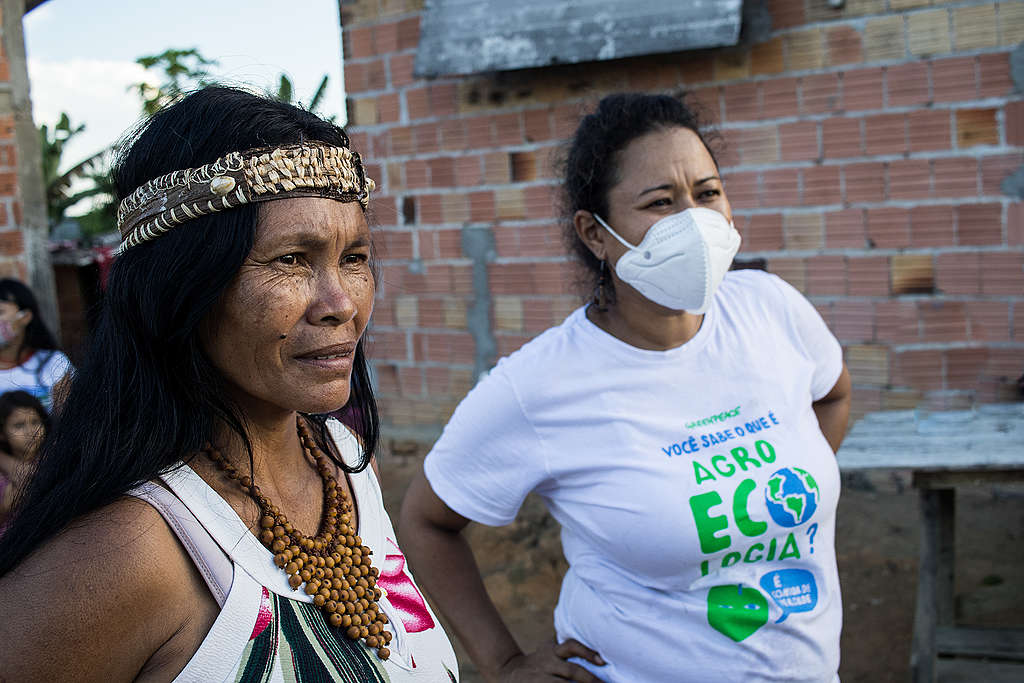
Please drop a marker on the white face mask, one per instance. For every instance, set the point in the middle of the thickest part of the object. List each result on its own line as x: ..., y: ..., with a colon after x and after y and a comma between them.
x: 681, y: 260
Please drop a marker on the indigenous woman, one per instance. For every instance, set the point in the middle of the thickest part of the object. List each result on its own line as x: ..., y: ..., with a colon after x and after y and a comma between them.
x: 680, y: 427
x: 193, y: 516
x: 30, y: 359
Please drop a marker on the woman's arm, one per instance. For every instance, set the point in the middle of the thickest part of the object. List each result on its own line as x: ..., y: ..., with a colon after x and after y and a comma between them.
x: 431, y: 535
x: 97, y: 601
x: 833, y: 410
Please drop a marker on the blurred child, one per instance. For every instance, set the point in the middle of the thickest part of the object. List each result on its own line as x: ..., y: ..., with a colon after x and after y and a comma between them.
x: 23, y: 424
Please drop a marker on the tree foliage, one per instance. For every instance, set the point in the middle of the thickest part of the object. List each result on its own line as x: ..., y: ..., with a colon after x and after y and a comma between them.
x: 182, y: 70
x: 61, y: 192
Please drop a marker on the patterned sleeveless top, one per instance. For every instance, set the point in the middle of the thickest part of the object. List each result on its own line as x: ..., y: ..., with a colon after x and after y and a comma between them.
x: 267, y: 632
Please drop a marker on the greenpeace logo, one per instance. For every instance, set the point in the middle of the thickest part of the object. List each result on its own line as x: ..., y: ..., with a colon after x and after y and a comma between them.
x: 720, y: 417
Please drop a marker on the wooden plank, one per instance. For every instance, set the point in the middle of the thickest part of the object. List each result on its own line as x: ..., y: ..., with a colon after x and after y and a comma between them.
x: 976, y: 641
x: 975, y: 670
x: 475, y: 36
x: 946, y: 557
x: 923, y: 648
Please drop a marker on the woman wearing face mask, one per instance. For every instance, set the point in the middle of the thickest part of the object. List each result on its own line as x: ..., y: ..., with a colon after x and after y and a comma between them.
x: 680, y: 427
x: 29, y: 356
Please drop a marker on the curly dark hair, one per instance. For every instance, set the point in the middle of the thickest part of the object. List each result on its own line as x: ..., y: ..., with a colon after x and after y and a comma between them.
x: 590, y: 159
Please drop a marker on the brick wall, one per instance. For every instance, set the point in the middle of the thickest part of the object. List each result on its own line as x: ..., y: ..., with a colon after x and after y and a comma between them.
x: 869, y: 161
x: 23, y: 224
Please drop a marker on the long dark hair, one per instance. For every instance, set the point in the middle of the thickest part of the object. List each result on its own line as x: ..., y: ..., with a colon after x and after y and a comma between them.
x: 147, y: 395
x: 37, y: 335
x: 590, y: 164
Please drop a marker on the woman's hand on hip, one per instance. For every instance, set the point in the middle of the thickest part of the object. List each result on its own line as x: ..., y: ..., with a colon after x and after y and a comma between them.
x: 550, y: 663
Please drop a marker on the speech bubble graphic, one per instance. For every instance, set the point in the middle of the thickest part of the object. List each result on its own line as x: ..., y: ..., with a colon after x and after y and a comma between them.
x: 736, y: 611
x: 793, y: 590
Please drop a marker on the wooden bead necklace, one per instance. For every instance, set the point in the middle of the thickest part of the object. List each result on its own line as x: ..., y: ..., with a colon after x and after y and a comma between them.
x: 334, y: 566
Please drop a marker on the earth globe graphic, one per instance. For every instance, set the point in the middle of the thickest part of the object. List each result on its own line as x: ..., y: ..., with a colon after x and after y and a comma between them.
x: 792, y: 496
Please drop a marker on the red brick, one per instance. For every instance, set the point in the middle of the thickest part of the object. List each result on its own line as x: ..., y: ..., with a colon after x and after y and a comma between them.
x: 780, y: 187
x: 896, y: 322
x: 761, y: 232
x: 537, y: 125
x: 468, y: 171
x: 389, y: 346
x: 792, y: 270
x: 742, y: 189
x: 958, y: 273
x: 540, y: 241
x: 907, y: 84
x: 994, y: 170
x: 976, y: 127
x: 450, y: 347
x: 1015, y: 224
x: 11, y: 242
x: 932, y: 226
x: 786, y: 13
x: 921, y: 370
x: 358, y: 42
x: 929, y: 130
x: 885, y: 134
x: 407, y: 34
x: 943, y: 321
x: 742, y: 101
x: 798, y: 141
x: 955, y: 177
x: 394, y: 244
x: 1005, y: 363
x: 417, y: 103
x: 387, y: 377
x: 410, y: 380
x: 417, y: 174
x: 779, y: 98
x: 478, y: 132
x: 980, y: 224
x: 964, y: 367
x: 868, y: 276
x: 889, y: 227
x: 910, y: 179
x: 708, y: 100
x: 954, y: 80
x: 426, y: 138
x: 862, y: 89
x: 507, y: 130
x: 841, y: 138
x: 758, y: 145
x: 989, y: 321
x: 401, y: 70
x: 826, y: 276
x: 385, y: 38
x: 864, y: 182
x: 553, y: 278
x: 453, y: 135
x: 387, y: 108
x: 429, y: 209
x: 819, y: 94
x: 1002, y: 273
x: 540, y: 201
x: 853, y: 321
x: 845, y: 229
x: 1013, y: 116
x: 844, y: 45
x: 994, y: 78
x: 821, y: 186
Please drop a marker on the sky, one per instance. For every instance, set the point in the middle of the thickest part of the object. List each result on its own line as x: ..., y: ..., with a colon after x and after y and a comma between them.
x: 81, y: 55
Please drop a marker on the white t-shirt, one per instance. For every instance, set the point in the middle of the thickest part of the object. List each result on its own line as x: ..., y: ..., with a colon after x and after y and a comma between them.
x: 37, y: 375
x: 695, y: 490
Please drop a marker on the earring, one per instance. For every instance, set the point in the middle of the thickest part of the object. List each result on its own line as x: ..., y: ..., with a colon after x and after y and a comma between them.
x: 600, y: 292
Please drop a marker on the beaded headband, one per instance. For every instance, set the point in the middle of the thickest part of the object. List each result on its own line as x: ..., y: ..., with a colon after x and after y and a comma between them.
x: 256, y: 175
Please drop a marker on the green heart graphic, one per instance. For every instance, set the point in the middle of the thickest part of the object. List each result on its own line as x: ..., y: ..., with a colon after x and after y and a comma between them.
x: 736, y: 611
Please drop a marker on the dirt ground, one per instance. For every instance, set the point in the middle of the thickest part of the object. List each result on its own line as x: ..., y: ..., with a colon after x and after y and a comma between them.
x: 877, y: 535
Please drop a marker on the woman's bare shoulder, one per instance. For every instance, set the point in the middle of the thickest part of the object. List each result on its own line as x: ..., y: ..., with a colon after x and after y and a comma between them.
x: 108, y: 590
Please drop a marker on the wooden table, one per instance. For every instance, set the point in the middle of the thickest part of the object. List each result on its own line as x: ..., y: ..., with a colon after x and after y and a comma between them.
x: 944, y: 450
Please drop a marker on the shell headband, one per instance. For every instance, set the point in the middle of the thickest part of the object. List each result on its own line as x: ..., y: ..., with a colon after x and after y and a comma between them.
x: 255, y: 175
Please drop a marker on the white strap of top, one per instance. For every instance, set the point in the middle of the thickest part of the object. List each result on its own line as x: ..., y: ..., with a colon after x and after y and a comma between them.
x: 214, y: 566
